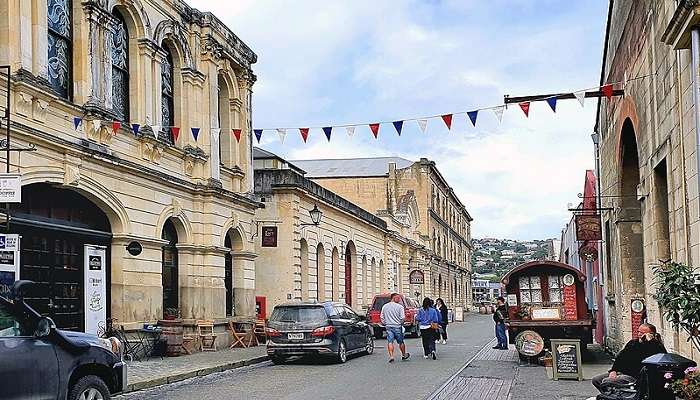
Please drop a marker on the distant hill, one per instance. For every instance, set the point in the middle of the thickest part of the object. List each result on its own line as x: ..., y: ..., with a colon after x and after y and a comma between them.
x: 496, y: 257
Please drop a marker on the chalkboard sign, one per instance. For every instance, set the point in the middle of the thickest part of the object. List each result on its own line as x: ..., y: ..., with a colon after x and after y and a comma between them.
x: 566, y: 357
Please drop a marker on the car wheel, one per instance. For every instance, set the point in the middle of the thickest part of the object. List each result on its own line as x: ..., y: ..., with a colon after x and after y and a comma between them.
x: 342, y: 354
x: 277, y: 360
x: 369, y: 345
x: 89, y: 387
x: 378, y: 334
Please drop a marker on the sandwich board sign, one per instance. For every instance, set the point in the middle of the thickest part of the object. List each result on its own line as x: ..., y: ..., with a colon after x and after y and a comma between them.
x: 566, y: 359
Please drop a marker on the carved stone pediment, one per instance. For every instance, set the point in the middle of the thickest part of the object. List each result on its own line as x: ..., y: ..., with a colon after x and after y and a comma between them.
x: 194, y: 157
x: 151, y: 148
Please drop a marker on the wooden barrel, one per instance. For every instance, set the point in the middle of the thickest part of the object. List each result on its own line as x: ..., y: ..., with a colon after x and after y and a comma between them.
x: 172, y: 332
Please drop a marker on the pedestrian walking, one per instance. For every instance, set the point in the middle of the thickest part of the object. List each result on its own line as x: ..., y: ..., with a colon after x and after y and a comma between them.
x: 442, y: 309
x: 499, y: 317
x: 392, y: 317
x: 428, y: 322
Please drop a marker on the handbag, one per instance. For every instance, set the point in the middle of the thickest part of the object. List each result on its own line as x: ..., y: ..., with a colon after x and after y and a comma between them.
x: 434, y: 325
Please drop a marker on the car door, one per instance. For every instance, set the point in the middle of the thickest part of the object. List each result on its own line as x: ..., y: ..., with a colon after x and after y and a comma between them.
x: 357, y: 331
x: 29, y: 367
x: 343, y: 325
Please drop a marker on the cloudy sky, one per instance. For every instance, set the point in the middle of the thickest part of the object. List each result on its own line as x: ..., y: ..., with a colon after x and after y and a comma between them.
x: 326, y: 63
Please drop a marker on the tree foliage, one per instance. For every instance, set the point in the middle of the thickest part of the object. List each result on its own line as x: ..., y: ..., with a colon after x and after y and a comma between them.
x: 678, y: 294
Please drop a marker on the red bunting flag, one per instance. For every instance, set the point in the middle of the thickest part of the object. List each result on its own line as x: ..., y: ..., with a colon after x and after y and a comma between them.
x: 115, y: 126
x: 375, y: 129
x: 447, y: 118
x: 175, y: 131
x: 237, y: 134
x: 304, y: 133
x: 607, y: 90
x: 525, y: 106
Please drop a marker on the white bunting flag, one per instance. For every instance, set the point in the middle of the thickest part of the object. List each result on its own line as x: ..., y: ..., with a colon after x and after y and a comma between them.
x: 350, y: 130
x: 156, y: 130
x: 283, y: 134
x: 215, y: 132
x: 422, y: 124
x: 499, y: 112
x: 581, y: 97
x: 96, y: 125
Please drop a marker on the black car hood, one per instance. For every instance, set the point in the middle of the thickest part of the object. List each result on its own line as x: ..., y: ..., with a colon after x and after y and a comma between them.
x: 78, y: 340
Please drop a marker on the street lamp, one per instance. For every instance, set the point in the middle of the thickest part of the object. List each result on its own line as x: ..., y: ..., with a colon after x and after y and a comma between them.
x: 596, y: 138
x: 315, y: 215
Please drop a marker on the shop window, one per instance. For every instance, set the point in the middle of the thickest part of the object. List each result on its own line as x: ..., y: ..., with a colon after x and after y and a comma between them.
x: 60, y: 46
x: 120, y: 69
x: 530, y: 289
x: 555, y: 289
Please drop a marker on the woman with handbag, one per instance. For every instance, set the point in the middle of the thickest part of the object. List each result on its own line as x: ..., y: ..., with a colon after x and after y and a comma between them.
x: 428, y: 323
x: 442, y: 309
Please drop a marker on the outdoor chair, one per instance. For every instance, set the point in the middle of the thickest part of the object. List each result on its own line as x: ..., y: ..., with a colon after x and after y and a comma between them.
x: 240, y: 333
x: 207, y: 337
x: 187, y: 342
x: 259, y: 332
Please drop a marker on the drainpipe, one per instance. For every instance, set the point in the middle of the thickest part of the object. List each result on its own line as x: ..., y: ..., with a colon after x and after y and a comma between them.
x: 695, y: 64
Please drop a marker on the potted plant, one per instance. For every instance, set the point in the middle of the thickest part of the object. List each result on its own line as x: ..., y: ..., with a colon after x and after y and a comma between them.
x: 678, y: 295
x: 170, y: 313
x: 687, y: 387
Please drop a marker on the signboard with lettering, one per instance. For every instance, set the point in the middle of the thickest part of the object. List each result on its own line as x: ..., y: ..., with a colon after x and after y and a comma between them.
x: 269, y: 236
x: 9, y: 262
x: 10, y: 188
x: 416, y: 277
x: 529, y: 343
x: 588, y: 227
x: 566, y: 359
x: 95, y: 288
x: 570, y: 306
x: 545, y: 314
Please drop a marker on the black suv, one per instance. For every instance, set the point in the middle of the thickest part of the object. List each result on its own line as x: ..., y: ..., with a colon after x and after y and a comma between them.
x: 310, y: 328
x: 42, y: 362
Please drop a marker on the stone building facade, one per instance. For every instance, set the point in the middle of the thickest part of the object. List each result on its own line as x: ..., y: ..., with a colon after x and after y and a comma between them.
x: 186, y: 200
x: 429, y: 225
x: 649, y: 163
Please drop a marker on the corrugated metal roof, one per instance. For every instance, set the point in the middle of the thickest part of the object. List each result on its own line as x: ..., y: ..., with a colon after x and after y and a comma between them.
x: 350, y: 167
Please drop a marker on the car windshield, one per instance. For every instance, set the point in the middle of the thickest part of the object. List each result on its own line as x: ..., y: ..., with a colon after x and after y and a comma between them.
x: 298, y: 314
x: 379, y: 303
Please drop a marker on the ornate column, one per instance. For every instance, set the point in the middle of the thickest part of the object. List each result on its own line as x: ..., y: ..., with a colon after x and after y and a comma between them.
x: 148, y: 50
x: 97, y: 19
x: 40, y: 33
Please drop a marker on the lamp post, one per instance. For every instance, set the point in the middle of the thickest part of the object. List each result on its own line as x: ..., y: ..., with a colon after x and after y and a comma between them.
x: 315, y: 215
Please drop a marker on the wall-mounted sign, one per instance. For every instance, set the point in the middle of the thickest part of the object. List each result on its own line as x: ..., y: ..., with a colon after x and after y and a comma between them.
x: 569, y: 293
x: 638, y: 308
x: 545, y: 314
x: 134, y: 248
x: 9, y: 262
x: 95, y: 292
x: 416, y: 277
x: 512, y: 300
x: 10, y: 188
x: 269, y: 236
x: 588, y: 227
x: 529, y: 343
x: 566, y: 358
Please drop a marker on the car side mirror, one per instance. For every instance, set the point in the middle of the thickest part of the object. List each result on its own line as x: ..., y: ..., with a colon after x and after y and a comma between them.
x: 44, y: 327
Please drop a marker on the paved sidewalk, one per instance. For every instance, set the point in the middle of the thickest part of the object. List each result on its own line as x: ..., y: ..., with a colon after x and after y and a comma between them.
x: 497, y: 374
x: 157, y: 371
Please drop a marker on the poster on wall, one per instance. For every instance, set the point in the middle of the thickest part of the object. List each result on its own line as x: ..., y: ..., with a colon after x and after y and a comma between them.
x: 95, y: 292
x: 9, y: 262
x: 269, y: 236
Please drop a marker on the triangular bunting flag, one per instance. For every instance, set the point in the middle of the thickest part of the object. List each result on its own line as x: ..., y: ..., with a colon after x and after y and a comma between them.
x: 375, y: 129
x: 135, y: 128
x: 283, y: 134
x: 398, y: 125
x: 447, y: 118
x: 116, y: 125
x: 76, y: 122
x: 498, y: 111
x: 258, y: 134
x: 176, y: 132
x: 195, y: 133
x: 581, y: 97
x: 156, y: 130
x: 327, y: 130
x: 607, y: 90
x: 350, y: 130
x: 216, y: 132
x: 304, y: 133
x: 525, y: 106
x: 237, y: 134
x: 96, y: 123
x: 422, y: 124
x: 472, y: 116
x: 552, y: 101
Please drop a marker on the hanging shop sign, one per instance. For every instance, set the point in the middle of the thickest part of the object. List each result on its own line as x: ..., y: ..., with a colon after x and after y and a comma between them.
x: 269, y: 236
x: 588, y: 227
x: 566, y: 359
x: 95, y: 292
x: 9, y: 262
x: 10, y: 188
x: 416, y: 277
x: 588, y: 251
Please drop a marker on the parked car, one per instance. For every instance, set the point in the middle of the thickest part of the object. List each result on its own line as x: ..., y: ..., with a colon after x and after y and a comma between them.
x: 311, y: 328
x: 42, y: 362
x: 374, y: 313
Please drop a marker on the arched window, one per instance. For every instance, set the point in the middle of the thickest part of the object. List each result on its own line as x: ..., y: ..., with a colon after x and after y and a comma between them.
x: 170, y: 269
x: 60, y: 46
x: 120, y: 69
x: 166, y: 100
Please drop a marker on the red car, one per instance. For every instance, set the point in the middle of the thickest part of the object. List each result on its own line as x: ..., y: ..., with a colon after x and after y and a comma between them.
x: 374, y: 312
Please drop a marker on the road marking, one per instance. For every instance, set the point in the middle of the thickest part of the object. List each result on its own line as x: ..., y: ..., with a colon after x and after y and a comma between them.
x: 436, y: 393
